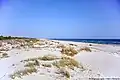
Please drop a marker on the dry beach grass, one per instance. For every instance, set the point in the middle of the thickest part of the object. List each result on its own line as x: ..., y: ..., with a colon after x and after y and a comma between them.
x: 85, y: 49
x: 3, y: 55
x: 48, y: 57
x: 69, y: 51
x: 27, y: 71
x: 32, y: 64
x: 66, y: 62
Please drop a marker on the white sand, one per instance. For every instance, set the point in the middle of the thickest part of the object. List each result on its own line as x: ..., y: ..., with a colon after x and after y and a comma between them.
x: 103, y: 60
x: 107, y: 64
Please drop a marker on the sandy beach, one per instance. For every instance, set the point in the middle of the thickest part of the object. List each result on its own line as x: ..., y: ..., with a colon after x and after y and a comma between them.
x: 57, y: 60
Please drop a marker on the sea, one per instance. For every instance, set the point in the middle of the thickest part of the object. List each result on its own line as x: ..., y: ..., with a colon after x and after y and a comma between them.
x: 98, y: 41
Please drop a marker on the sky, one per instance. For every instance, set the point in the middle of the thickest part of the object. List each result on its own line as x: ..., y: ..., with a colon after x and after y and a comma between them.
x: 79, y: 19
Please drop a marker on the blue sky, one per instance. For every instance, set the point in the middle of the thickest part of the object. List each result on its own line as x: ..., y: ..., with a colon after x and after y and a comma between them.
x: 60, y: 18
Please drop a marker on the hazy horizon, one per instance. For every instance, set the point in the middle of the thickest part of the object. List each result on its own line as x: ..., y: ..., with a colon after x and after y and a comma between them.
x: 67, y: 19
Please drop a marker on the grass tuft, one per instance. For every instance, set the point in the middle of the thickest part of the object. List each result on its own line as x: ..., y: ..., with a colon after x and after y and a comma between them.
x: 66, y: 62
x: 60, y: 46
x: 48, y: 57
x: 69, y: 51
x: 64, y: 72
x: 24, y: 72
x: 3, y: 55
x: 46, y: 65
x: 31, y: 64
x: 86, y: 49
x: 31, y: 59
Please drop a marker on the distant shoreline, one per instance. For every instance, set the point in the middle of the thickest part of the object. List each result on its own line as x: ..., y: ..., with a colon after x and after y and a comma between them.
x: 96, y: 41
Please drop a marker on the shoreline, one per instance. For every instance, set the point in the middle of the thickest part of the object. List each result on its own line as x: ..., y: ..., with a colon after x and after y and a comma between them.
x: 88, y: 42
